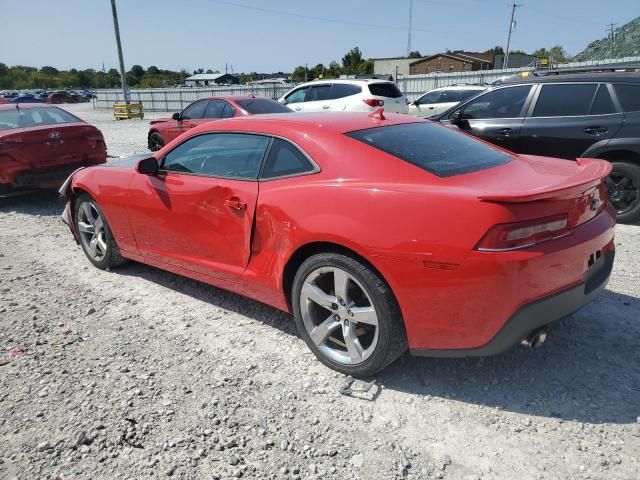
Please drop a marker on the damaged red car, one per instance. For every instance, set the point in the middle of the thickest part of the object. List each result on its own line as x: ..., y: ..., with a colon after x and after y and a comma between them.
x: 41, y: 145
x: 164, y: 130
x: 377, y: 232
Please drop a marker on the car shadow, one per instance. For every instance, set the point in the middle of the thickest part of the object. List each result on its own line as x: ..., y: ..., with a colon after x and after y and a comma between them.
x: 36, y: 202
x: 588, y: 369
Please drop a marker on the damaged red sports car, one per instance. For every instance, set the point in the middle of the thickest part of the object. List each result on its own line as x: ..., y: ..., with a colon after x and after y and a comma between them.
x: 41, y: 145
x: 378, y: 233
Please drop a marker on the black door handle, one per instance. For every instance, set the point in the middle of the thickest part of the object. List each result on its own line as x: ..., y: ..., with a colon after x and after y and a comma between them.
x: 595, y: 130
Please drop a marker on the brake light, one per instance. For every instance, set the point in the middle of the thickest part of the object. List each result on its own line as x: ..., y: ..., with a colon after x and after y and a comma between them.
x: 515, y: 236
x: 372, y: 102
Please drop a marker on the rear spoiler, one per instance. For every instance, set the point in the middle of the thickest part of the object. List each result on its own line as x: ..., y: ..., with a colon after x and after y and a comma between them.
x: 590, y: 171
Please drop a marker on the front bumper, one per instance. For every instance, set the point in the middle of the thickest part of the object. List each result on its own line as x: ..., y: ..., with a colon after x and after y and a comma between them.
x: 538, y: 313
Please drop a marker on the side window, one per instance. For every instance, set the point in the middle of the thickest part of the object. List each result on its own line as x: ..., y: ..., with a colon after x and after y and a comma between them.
x: 285, y: 159
x: 464, y: 94
x: 629, y: 96
x: 431, y: 97
x: 602, y: 104
x: 297, y: 96
x: 449, y: 96
x: 319, y: 92
x: 195, y: 110
x: 564, y: 100
x: 228, y: 111
x: 341, y: 90
x: 229, y: 155
x: 214, y: 109
x: 501, y: 103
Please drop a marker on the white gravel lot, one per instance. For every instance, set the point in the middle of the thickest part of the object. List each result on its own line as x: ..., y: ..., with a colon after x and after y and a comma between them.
x: 139, y: 373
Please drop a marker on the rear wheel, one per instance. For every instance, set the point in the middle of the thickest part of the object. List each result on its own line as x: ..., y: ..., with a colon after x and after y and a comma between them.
x: 347, y: 315
x: 623, y: 188
x: 95, y: 235
x: 156, y: 142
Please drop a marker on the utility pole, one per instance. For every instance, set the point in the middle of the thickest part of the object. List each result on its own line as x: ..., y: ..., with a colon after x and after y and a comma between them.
x: 410, y: 22
x: 506, y: 54
x: 123, y: 75
x: 612, y: 35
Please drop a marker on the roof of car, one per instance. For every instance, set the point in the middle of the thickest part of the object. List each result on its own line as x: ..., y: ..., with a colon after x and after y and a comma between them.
x: 337, y: 122
x: 528, y: 77
x: 21, y: 106
x: 345, y: 80
x: 461, y: 87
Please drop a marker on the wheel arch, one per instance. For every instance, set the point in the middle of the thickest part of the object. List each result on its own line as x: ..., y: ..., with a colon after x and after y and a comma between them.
x: 307, y: 250
x: 621, y: 155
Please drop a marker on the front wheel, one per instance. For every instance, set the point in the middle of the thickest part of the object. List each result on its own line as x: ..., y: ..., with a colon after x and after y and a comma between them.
x: 347, y: 315
x: 95, y: 235
x: 623, y: 189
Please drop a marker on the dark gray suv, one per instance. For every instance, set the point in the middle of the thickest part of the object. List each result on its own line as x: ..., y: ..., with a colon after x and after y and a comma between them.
x: 566, y: 116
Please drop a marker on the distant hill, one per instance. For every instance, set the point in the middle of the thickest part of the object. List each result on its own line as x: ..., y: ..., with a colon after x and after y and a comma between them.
x: 626, y: 44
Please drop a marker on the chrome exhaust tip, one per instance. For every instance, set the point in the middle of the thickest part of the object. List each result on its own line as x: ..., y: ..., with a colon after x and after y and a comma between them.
x: 535, y: 339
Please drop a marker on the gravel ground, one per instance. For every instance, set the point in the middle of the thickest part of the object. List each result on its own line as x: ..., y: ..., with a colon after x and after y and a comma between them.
x: 139, y: 373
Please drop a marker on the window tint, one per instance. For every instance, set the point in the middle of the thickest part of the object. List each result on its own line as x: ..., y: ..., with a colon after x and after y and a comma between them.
x: 431, y: 97
x: 318, y: 92
x: 297, y: 96
x: 262, y: 105
x: 214, y: 109
x: 32, y: 117
x: 564, y: 100
x: 602, y: 103
x: 341, y: 90
x: 195, y: 110
x: 228, y: 111
x: 285, y: 159
x: 432, y: 147
x: 464, y: 94
x: 629, y: 96
x: 230, y: 155
x: 385, y: 90
x: 500, y: 103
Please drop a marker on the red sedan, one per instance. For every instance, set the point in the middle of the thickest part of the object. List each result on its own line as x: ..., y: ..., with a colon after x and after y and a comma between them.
x: 378, y: 233
x: 164, y: 130
x: 40, y: 145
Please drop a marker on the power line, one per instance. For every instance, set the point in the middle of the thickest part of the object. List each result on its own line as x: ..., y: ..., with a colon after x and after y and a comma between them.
x: 611, y: 31
x: 511, y: 23
x: 311, y: 17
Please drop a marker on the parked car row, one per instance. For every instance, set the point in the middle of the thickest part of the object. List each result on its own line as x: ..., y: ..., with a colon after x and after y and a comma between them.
x: 43, y: 96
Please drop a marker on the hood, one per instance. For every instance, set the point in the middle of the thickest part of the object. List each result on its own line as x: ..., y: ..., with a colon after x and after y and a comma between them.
x: 160, y: 120
x: 127, y: 162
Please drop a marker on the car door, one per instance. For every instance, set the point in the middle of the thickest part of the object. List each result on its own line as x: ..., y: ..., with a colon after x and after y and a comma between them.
x: 318, y: 98
x: 565, y: 119
x: 188, y: 119
x: 495, y: 116
x: 197, y: 212
x: 295, y: 99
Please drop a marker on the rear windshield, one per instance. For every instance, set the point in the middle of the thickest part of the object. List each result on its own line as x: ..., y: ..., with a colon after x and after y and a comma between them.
x: 262, y: 105
x: 434, y: 148
x: 33, y: 117
x: 385, y: 90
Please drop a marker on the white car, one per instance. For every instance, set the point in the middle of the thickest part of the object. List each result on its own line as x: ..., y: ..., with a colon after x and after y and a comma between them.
x: 352, y: 95
x: 441, y: 99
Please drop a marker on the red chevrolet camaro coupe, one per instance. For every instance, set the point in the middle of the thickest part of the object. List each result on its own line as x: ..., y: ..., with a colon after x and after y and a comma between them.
x: 40, y: 145
x: 378, y: 233
x: 164, y: 130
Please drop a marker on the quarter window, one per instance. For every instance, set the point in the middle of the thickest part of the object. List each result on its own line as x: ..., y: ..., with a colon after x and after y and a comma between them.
x: 501, y: 103
x: 564, y: 100
x: 228, y: 155
x: 285, y: 159
x: 602, y: 104
x: 629, y: 96
x: 195, y: 110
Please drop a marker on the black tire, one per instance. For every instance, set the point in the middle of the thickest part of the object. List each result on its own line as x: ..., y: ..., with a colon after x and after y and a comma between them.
x: 111, y: 257
x: 156, y: 142
x: 392, y: 339
x: 629, y: 213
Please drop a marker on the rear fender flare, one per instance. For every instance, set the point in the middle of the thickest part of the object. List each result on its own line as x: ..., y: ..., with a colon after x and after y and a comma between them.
x: 601, y: 148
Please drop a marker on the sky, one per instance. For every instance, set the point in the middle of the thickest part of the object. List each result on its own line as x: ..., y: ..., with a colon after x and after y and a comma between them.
x: 278, y: 35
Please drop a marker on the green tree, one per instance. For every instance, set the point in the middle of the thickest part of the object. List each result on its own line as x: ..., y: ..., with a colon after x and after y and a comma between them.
x: 351, y: 60
x: 153, y: 70
x: 559, y: 54
x: 497, y: 50
x: 415, y: 54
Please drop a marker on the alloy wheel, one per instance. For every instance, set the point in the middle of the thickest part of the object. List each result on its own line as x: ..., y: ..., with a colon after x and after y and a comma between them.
x: 623, y: 193
x: 339, y: 316
x: 91, y: 231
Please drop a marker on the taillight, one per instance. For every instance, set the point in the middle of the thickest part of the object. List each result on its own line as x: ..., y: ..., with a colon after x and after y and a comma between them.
x: 515, y: 236
x: 372, y: 102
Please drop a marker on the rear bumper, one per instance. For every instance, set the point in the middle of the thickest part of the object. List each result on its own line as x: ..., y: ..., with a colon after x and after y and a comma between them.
x: 538, y: 313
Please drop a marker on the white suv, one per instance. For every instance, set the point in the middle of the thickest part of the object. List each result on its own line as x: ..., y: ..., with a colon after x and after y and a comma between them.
x: 441, y: 99
x: 352, y: 95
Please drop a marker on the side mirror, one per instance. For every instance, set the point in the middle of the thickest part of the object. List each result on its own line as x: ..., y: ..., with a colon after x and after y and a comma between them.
x: 148, y: 166
x: 282, y: 101
x: 176, y: 116
x: 458, y: 118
